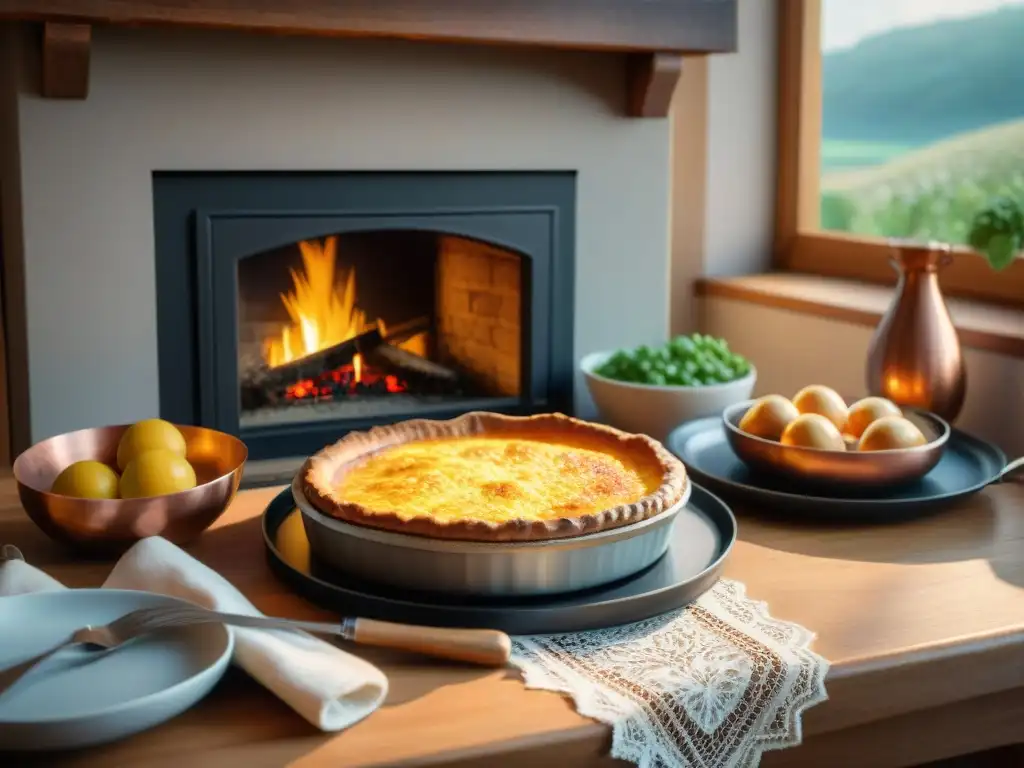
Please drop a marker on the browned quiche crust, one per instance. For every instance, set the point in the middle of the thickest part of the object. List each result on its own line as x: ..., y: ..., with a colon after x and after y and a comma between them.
x: 320, y: 474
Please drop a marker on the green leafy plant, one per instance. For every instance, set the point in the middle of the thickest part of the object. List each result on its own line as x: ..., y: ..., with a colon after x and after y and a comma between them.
x: 997, y: 230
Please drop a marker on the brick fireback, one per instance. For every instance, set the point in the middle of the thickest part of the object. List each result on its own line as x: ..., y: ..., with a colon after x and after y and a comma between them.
x: 478, y: 311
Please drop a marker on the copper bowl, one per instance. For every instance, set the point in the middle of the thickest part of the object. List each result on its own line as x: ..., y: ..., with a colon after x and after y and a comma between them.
x: 861, y: 469
x: 108, y: 526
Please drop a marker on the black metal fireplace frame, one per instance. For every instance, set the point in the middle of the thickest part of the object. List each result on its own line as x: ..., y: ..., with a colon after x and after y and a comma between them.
x: 205, y: 223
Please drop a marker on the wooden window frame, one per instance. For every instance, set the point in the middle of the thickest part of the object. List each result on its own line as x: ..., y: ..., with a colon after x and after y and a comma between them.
x: 799, y: 245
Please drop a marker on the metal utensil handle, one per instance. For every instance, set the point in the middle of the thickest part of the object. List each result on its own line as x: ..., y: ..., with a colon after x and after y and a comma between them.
x: 11, y: 675
x: 1011, y: 470
x: 477, y: 646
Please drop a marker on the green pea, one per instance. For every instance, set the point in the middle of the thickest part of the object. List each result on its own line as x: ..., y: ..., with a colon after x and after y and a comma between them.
x: 682, y: 345
x: 685, y: 360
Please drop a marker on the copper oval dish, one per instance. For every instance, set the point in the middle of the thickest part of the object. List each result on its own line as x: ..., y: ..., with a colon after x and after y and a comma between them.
x: 113, y: 525
x: 853, y: 468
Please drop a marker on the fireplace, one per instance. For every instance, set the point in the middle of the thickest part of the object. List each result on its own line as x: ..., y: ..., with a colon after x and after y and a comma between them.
x: 294, y: 307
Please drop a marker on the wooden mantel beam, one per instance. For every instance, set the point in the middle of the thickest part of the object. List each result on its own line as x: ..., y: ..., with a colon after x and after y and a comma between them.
x: 682, y: 26
x: 653, y: 32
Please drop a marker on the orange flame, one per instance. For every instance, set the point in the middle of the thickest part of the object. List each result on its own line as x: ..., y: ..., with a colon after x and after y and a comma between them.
x: 321, y: 315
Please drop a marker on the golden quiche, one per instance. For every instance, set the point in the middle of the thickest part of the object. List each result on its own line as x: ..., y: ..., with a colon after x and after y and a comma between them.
x: 489, y: 477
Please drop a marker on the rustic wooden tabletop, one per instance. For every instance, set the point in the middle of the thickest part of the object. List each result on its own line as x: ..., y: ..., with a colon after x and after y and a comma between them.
x: 923, y: 623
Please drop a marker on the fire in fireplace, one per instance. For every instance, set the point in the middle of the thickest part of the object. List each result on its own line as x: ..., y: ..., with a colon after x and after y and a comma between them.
x: 376, y: 322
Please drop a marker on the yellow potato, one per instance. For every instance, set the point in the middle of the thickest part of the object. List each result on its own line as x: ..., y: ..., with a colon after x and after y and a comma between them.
x: 864, y: 412
x: 812, y: 430
x: 890, y: 433
x: 768, y: 416
x: 824, y: 401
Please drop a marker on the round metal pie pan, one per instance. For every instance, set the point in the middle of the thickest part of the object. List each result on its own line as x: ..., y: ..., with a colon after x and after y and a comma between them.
x: 505, y: 569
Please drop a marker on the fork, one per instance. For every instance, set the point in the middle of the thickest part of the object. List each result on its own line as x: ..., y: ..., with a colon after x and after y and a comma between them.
x: 477, y: 646
x: 105, y: 638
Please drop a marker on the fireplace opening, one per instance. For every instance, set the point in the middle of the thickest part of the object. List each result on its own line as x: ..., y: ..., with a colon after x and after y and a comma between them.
x: 294, y: 306
x: 371, y: 323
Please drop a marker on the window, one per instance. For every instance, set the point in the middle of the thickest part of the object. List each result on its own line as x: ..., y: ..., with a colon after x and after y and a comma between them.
x: 898, y: 118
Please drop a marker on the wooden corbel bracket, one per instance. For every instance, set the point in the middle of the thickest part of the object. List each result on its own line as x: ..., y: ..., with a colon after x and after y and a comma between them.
x: 65, y: 70
x: 651, y: 81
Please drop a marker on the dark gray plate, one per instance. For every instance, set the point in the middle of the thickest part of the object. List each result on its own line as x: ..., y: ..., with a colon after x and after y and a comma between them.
x: 967, y: 465
x: 702, y: 537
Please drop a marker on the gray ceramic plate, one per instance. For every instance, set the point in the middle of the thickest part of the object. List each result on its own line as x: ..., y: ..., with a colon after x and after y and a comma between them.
x: 76, y: 701
x: 968, y: 464
x: 702, y: 536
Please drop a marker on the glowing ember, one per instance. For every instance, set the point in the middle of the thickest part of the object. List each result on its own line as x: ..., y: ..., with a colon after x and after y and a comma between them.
x: 351, y: 379
x: 321, y: 314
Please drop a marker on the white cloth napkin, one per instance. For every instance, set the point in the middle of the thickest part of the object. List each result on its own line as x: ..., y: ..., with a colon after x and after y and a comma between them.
x: 330, y: 688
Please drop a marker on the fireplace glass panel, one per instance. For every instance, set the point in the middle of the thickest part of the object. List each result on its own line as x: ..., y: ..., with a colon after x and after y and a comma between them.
x: 368, y: 324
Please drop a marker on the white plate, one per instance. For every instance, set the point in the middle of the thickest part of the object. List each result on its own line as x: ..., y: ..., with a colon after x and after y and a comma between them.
x: 77, y: 702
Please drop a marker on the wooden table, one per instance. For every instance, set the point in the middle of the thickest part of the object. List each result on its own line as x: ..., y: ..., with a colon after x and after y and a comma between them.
x: 923, y: 623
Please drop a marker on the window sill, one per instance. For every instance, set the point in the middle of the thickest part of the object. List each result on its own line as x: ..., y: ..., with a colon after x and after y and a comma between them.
x: 981, y: 326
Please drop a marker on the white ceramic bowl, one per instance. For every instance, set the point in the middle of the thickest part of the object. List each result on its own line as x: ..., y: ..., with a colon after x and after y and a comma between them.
x: 657, y: 410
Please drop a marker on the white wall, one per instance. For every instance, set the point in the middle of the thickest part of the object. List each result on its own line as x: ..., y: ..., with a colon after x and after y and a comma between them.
x: 163, y: 100
x: 724, y: 226
x: 741, y: 141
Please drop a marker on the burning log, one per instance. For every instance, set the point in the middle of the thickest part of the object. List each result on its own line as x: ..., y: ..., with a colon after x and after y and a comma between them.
x: 310, y: 366
x: 396, y: 334
x: 425, y: 374
x: 261, y: 384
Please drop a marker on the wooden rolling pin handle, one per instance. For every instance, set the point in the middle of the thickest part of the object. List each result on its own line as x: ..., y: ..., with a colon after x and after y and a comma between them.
x: 487, y: 647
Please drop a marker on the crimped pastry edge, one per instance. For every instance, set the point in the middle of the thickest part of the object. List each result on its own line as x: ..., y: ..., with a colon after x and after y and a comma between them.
x: 319, y: 473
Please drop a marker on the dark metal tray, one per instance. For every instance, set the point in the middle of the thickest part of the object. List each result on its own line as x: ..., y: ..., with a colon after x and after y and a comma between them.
x: 702, y: 537
x: 968, y: 464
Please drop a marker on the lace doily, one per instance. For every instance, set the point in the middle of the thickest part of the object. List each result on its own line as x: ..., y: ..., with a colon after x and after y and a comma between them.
x: 712, y: 685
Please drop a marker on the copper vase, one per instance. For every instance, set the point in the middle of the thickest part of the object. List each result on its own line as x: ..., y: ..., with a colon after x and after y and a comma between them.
x: 915, y: 357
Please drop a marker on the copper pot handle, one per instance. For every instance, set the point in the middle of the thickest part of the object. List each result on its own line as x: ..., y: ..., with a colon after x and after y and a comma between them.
x: 1011, y: 471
